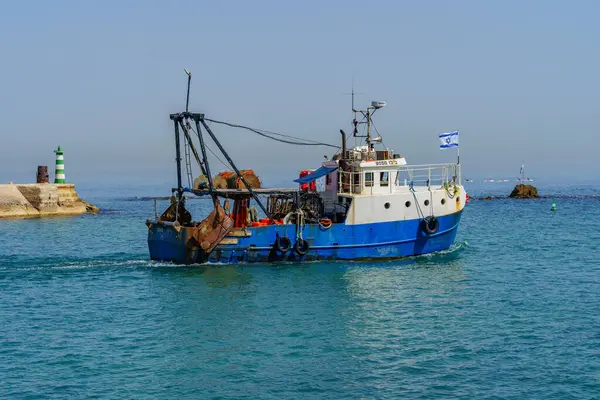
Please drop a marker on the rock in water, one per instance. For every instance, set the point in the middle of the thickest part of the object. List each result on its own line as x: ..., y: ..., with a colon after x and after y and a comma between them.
x: 90, y: 208
x: 522, y: 191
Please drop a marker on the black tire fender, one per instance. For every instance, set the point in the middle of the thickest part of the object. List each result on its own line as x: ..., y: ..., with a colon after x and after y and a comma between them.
x: 301, y: 247
x: 430, y: 225
x: 283, y: 244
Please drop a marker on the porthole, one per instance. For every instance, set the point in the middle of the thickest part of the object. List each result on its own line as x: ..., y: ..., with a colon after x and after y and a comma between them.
x: 458, y: 199
x: 426, y: 202
x: 407, y: 204
x: 443, y: 201
x: 386, y: 205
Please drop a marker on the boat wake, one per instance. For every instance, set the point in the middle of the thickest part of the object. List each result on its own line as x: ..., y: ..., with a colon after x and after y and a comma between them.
x: 62, y: 264
x: 454, y: 251
x: 73, y: 264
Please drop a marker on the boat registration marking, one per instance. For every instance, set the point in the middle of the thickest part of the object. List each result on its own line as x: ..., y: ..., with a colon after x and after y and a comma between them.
x: 386, y: 162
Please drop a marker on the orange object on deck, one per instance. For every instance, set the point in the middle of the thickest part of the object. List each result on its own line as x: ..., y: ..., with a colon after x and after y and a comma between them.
x: 307, y: 187
x: 240, y: 213
x: 230, y: 180
x: 250, y: 177
x: 325, y: 222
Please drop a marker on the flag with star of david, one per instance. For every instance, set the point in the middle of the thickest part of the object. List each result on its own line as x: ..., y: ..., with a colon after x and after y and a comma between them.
x: 448, y: 140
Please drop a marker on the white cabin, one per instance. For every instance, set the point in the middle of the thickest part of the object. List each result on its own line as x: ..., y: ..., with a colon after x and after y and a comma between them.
x: 376, y: 186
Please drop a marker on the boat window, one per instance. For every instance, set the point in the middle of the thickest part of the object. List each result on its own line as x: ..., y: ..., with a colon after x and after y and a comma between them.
x: 368, y: 179
x: 384, y: 179
x: 328, y: 179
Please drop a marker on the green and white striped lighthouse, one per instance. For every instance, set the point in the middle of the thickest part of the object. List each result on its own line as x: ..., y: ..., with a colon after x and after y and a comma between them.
x: 59, y: 175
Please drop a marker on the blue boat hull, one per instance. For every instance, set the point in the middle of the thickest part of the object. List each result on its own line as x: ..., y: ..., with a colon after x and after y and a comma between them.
x: 383, y: 240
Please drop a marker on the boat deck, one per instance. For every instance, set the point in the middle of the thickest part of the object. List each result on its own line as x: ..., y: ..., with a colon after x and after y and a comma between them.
x: 269, y: 191
x: 245, y: 192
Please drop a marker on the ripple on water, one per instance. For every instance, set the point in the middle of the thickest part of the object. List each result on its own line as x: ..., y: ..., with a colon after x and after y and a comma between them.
x: 510, y: 311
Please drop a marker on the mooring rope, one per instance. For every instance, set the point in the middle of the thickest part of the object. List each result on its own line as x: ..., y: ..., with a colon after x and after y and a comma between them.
x: 412, y: 189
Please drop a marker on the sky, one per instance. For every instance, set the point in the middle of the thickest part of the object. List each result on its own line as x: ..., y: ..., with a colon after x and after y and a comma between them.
x: 518, y: 79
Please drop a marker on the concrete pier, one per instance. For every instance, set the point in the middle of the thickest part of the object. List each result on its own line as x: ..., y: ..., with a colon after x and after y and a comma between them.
x: 40, y: 200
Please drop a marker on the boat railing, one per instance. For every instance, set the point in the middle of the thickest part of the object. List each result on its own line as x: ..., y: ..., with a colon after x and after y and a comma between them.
x: 381, y: 180
x: 429, y: 176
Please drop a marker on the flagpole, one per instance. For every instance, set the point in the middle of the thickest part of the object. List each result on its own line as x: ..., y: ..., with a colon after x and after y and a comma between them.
x: 458, y: 164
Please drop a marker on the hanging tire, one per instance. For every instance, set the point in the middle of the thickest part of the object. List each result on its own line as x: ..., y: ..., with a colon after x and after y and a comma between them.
x: 430, y: 225
x: 283, y: 244
x: 301, y: 247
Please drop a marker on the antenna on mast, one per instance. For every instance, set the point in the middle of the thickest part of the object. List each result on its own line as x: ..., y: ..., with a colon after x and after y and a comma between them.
x: 354, y: 110
x: 352, y: 93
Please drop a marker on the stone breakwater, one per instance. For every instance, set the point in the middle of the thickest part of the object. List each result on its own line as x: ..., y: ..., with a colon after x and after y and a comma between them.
x: 40, y: 200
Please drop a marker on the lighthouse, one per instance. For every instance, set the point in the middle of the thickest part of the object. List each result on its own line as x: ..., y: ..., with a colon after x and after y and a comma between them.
x: 59, y: 175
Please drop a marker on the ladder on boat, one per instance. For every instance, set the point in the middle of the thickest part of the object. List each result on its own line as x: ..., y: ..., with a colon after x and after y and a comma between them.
x: 188, y: 163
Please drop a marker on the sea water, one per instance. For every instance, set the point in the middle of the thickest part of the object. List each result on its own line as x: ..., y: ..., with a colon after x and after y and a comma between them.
x: 511, y: 311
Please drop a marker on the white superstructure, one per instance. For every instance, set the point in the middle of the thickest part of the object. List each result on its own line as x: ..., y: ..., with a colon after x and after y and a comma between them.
x: 387, y: 190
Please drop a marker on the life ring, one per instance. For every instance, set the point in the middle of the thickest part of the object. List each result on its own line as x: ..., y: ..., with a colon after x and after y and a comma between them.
x: 325, y: 223
x: 283, y: 244
x: 430, y: 225
x: 301, y: 247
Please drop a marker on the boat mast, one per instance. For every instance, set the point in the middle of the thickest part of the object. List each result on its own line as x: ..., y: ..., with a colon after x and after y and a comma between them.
x: 178, y: 120
x: 368, y: 114
x: 187, y: 101
x: 204, y: 156
x: 178, y: 160
x: 368, y: 139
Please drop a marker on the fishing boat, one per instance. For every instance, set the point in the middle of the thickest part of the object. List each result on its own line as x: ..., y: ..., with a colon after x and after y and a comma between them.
x: 522, y: 173
x: 371, y: 204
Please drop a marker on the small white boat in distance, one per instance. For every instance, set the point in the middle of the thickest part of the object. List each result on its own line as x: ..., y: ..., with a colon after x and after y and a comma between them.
x: 522, y: 172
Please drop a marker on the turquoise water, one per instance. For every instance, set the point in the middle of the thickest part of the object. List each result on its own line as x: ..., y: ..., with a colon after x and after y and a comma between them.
x: 510, y: 312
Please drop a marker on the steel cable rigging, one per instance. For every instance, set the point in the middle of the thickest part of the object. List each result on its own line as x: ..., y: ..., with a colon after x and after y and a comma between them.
x: 272, y: 135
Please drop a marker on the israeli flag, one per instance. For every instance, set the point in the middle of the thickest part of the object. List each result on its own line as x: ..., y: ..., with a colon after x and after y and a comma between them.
x: 448, y: 140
